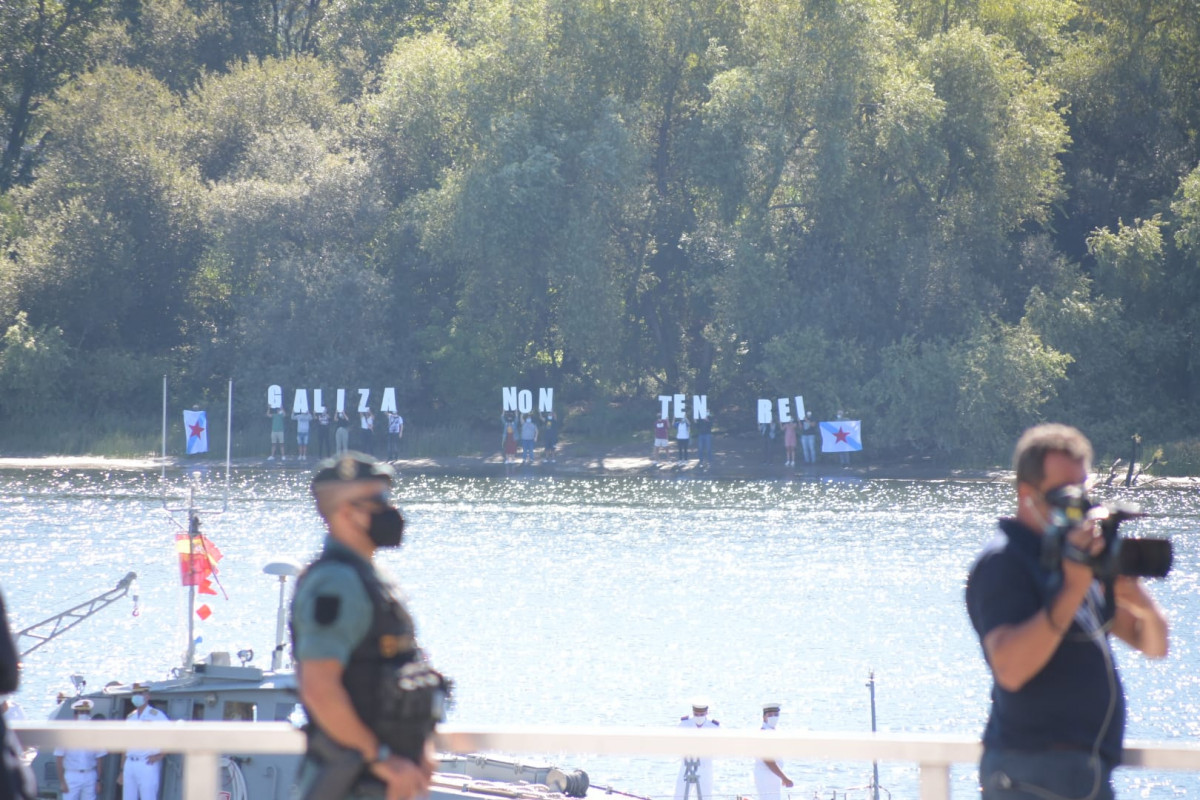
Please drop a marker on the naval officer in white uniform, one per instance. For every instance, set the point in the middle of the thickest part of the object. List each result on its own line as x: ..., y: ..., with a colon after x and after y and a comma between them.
x: 141, y: 770
x: 768, y: 775
x: 696, y: 774
x: 80, y: 772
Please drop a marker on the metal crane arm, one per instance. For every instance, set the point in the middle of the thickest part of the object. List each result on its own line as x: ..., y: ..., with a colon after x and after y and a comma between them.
x: 41, y: 632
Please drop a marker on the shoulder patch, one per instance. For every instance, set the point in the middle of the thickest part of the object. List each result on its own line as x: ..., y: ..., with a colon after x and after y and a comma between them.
x: 714, y: 722
x: 684, y: 719
x: 327, y: 608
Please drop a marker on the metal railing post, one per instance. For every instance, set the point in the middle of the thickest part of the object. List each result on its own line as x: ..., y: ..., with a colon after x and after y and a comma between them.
x: 201, y: 775
x: 934, y: 781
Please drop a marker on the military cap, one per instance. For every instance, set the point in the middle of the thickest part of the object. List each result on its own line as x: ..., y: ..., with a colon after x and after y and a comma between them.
x: 770, y: 707
x: 82, y: 705
x: 350, y: 468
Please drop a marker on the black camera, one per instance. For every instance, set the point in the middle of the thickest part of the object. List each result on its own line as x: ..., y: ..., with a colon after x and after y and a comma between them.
x: 1070, y: 507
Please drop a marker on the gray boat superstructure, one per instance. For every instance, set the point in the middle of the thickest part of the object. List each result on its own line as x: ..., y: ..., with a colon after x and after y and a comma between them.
x: 215, y: 690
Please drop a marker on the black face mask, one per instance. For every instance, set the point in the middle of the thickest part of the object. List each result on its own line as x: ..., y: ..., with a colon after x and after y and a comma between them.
x: 387, y: 527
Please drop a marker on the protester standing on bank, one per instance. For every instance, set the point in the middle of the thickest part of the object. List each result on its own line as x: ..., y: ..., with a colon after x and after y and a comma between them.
x: 352, y: 636
x: 789, y: 443
x: 395, y: 434
x: 303, y: 422
x: 323, y: 438
x: 662, y: 441
x: 683, y: 436
x: 341, y: 433
x: 704, y: 441
x: 808, y: 438
x: 550, y: 429
x: 367, y: 431
x: 529, y: 436
x: 1057, y: 720
x: 278, y: 416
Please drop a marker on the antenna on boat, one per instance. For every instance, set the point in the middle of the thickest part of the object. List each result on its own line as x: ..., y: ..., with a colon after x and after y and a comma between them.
x: 284, y: 569
x: 874, y: 764
x: 193, y: 517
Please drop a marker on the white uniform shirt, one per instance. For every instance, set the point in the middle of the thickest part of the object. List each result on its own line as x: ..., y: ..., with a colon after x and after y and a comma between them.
x: 768, y: 784
x: 14, y: 712
x: 149, y: 714
x: 80, y: 760
x: 704, y: 773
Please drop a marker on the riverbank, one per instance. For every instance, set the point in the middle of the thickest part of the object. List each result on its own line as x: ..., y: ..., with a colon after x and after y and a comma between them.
x: 734, y: 458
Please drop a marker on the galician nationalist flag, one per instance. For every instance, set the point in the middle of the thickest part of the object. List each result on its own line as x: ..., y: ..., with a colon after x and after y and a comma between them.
x: 841, y: 436
x: 195, y: 425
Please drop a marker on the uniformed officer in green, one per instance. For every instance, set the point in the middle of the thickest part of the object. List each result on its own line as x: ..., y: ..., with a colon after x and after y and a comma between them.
x: 347, y: 626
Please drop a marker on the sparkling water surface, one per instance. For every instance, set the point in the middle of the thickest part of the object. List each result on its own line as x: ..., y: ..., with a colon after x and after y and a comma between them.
x: 605, y: 601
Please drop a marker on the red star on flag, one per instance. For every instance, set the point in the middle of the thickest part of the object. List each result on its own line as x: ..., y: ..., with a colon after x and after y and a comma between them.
x: 841, y: 435
x: 196, y: 430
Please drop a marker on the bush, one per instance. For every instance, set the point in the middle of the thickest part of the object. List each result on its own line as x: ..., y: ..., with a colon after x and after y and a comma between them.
x: 33, y: 370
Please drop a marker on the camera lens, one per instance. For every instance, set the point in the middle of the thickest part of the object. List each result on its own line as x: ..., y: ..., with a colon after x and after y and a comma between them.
x: 1144, y: 558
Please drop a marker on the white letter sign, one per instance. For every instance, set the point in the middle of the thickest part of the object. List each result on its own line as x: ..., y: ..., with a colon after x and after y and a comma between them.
x: 363, y: 394
x: 300, y: 404
x: 764, y: 411
x: 274, y: 396
x: 664, y: 401
x: 389, y: 401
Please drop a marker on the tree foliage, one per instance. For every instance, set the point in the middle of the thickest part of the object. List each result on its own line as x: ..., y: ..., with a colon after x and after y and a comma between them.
x: 952, y: 219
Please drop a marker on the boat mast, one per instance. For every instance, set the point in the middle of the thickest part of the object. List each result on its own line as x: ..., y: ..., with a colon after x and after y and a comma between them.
x: 189, y: 656
x: 193, y: 517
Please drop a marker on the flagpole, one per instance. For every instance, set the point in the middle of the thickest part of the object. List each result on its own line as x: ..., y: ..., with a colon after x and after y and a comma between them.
x: 164, y: 436
x: 193, y: 531
x: 228, y: 441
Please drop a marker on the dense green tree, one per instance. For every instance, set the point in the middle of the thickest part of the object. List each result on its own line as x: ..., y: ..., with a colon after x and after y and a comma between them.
x: 112, y: 222
x: 951, y: 218
x: 227, y: 112
x: 33, y: 369
x: 43, y: 44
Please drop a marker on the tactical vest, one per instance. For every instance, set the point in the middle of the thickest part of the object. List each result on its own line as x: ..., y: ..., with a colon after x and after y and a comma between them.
x: 370, y: 675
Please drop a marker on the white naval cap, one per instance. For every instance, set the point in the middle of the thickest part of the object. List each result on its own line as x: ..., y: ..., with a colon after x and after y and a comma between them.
x: 82, y: 705
x: 771, y: 707
x: 700, y: 702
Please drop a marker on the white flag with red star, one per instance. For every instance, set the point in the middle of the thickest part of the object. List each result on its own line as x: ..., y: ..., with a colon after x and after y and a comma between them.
x: 195, y: 424
x: 841, y: 436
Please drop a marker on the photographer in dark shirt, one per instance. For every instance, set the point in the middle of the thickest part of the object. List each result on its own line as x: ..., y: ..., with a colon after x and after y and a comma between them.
x: 1057, y: 720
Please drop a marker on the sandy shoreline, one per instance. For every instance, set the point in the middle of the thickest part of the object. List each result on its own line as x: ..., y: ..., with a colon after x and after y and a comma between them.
x: 575, y: 461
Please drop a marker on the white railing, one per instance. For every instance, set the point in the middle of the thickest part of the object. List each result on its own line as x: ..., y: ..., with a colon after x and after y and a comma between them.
x: 202, y: 743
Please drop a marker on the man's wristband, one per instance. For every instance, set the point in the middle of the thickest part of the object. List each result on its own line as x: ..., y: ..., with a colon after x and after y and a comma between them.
x: 382, y: 754
x: 1050, y: 622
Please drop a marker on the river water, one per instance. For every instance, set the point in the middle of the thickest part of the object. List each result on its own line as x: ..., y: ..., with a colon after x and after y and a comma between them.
x: 606, y: 601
